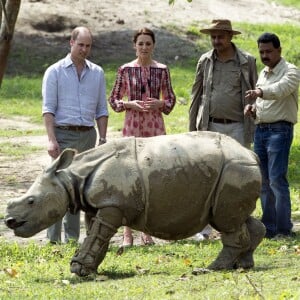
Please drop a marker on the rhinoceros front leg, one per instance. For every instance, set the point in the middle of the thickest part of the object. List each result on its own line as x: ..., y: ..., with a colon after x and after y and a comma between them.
x: 94, y: 247
x: 234, y: 245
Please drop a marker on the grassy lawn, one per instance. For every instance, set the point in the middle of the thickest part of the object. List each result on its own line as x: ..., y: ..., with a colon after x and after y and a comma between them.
x: 292, y: 3
x: 161, y: 271
x: 171, y: 271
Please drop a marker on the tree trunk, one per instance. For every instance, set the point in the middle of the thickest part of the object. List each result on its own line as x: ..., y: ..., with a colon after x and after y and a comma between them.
x: 9, y: 10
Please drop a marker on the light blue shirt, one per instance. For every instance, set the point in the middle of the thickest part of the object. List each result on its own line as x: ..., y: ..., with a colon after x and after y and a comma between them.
x: 73, y: 101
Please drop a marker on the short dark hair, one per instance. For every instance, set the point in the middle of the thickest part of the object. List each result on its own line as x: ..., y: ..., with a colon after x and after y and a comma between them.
x: 145, y: 31
x: 269, y: 38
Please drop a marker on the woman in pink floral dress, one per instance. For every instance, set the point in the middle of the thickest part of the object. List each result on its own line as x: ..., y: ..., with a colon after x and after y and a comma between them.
x: 146, y: 84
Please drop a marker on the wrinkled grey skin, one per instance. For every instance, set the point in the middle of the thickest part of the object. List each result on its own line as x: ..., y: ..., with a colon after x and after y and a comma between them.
x: 168, y: 186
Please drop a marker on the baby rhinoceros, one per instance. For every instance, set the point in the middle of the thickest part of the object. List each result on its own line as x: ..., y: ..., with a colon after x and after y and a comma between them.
x: 168, y: 186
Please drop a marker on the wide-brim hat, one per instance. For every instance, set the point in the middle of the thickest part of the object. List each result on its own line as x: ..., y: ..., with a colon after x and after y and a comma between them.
x: 224, y: 25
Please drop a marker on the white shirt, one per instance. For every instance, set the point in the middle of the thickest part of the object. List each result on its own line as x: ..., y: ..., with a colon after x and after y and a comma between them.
x: 280, y: 93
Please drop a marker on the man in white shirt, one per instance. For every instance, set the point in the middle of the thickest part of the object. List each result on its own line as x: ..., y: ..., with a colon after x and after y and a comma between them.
x: 275, y: 113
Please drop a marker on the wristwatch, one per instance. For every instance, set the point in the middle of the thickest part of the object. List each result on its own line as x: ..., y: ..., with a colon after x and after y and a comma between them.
x: 102, y: 140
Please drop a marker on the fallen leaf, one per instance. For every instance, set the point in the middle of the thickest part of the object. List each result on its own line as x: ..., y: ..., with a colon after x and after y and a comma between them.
x: 240, y: 270
x: 142, y: 271
x: 120, y: 251
x: 183, y: 277
x: 11, y: 272
x: 101, y: 278
x: 162, y: 259
x: 283, y: 248
x: 170, y: 292
x: 187, y: 262
x: 198, y: 271
x: 297, y: 249
x: 272, y: 251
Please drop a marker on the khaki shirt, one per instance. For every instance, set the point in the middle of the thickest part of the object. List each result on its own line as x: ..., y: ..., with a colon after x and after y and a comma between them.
x: 226, y: 95
x: 280, y: 94
x: 201, y: 91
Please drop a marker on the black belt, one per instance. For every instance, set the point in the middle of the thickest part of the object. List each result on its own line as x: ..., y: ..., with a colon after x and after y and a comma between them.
x: 222, y: 121
x: 274, y: 124
x: 75, y: 128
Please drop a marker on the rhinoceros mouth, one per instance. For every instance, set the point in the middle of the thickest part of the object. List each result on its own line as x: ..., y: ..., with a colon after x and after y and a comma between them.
x: 12, y: 223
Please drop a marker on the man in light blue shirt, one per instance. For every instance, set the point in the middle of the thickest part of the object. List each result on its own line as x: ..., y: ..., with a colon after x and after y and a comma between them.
x: 74, y: 98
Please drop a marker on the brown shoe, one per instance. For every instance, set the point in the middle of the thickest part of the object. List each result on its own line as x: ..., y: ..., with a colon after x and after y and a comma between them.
x: 147, y: 239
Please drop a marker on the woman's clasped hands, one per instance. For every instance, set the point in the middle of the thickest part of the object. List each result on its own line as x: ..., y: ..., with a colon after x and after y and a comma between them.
x: 144, y: 106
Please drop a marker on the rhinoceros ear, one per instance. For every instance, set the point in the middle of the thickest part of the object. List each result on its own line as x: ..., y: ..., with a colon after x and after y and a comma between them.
x: 63, y: 161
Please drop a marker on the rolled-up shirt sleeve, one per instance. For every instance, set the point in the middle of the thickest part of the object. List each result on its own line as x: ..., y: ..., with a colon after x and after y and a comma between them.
x: 282, y: 88
x: 50, y: 91
x: 102, y: 103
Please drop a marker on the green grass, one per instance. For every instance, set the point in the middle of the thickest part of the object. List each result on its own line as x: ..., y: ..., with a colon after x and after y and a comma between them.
x: 158, y: 272
x: 17, y: 150
x: 12, y: 132
x: 292, y: 3
x: 21, y: 96
x: 163, y: 271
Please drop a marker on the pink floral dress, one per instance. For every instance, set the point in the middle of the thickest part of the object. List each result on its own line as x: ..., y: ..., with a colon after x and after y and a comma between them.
x: 138, y: 83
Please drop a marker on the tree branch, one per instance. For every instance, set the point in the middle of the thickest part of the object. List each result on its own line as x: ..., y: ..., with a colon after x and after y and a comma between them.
x: 5, y: 16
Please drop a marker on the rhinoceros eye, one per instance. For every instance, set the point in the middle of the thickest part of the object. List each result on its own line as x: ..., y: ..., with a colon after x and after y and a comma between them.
x: 30, y: 200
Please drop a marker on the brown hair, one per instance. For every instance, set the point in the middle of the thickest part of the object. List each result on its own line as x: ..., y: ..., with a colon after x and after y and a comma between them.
x: 145, y: 31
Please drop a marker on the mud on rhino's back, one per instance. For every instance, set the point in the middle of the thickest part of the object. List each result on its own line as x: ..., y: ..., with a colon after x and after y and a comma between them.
x: 180, y: 173
x: 166, y: 180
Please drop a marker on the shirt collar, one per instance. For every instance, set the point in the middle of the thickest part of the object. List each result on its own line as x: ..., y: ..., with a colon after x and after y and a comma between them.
x: 68, y: 62
x: 276, y: 69
x: 234, y: 58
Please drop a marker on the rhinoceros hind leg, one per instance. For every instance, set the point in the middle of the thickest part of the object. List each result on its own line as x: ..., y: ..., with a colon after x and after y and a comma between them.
x: 234, y: 245
x: 257, y: 232
x: 94, y: 247
x: 226, y: 259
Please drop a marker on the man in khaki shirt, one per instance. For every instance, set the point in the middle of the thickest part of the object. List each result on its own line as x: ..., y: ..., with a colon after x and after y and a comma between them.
x: 275, y: 113
x: 223, y: 76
